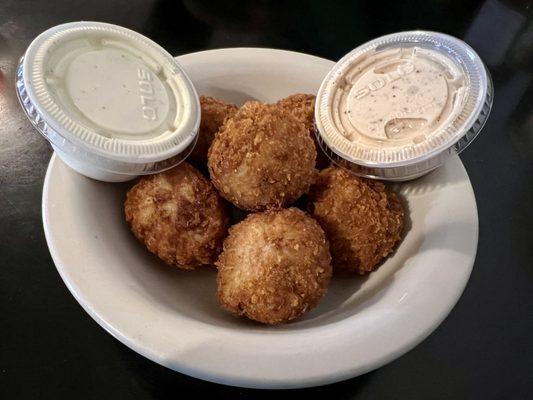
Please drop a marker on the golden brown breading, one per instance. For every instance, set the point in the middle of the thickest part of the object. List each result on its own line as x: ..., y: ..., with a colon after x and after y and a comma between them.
x: 214, y: 112
x: 179, y: 216
x: 362, y: 218
x: 262, y: 158
x: 275, y: 266
x: 302, y: 106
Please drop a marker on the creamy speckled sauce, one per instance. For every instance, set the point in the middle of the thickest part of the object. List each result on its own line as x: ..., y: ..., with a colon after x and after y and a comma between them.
x: 396, y: 97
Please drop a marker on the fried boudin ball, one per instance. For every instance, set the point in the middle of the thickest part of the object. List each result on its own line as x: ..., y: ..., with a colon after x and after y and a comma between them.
x: 179, y: 216
x: 262, y: 157
x: 302, y: 106
x: 275, y: 266
x: 214, y: 112
x: 362, y: 218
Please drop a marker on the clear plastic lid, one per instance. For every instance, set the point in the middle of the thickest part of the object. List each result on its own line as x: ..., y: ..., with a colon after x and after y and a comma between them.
x: 110, y: 97
x: 397, y: 106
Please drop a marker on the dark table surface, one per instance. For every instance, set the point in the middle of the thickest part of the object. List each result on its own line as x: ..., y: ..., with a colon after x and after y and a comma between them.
x: 50, y: 348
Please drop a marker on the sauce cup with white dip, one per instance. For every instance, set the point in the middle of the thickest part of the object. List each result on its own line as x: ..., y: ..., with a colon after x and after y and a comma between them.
x: 396, y: 107
x: 112, y: 103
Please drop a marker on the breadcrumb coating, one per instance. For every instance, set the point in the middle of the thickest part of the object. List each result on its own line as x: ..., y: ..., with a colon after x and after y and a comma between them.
x: 274, y: 267
x: 214, y: 112
x: 302, y: 106
x: 362, y: 218
x: 262, y: 158
x: 179, y: 216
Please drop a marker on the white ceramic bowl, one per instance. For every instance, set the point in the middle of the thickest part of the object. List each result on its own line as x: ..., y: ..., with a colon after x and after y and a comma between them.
x: 172, y: 316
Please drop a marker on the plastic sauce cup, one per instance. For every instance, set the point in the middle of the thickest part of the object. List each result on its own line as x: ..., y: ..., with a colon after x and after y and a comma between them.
x: 112, y: 103
x: 396, y: 107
